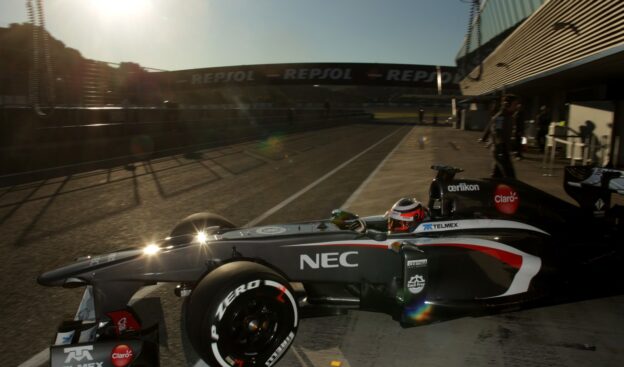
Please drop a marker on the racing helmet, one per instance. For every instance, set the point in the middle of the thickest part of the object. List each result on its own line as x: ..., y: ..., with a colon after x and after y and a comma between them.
x: 405, y: 215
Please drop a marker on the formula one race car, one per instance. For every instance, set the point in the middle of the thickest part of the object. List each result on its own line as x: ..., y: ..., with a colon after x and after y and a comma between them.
x: 486, y: 245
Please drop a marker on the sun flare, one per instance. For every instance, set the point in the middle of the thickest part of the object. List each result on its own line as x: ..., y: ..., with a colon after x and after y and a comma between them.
x: 120, y: 7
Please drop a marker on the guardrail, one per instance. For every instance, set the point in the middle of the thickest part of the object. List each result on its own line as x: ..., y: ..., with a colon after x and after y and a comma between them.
x: 74, y: 136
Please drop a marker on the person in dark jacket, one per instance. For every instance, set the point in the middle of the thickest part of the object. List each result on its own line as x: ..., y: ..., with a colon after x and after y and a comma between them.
x: 493, y: 110
x: 502, y: 128
x: 543, y: 120
x: 518, y: 118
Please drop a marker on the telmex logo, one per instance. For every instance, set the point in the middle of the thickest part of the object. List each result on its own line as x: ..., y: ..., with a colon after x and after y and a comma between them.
x: 328, y: 260
x: 78, y: 353
x: 462, y: 186
x: 435, y: 226
x: 506, y: 199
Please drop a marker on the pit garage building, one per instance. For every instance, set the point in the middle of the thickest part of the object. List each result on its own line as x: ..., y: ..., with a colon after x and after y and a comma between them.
x: 565, y: 54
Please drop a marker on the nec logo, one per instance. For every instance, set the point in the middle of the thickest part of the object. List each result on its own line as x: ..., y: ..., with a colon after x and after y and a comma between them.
x: 328, y: 260
x: 80, y: 353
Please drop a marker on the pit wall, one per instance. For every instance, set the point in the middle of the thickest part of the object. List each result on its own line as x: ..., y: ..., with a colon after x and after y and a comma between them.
x: 108, y: 136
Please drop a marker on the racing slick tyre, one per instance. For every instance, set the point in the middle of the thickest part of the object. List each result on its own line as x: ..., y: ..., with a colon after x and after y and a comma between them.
x: 188, y: 227
x: 242, y: 314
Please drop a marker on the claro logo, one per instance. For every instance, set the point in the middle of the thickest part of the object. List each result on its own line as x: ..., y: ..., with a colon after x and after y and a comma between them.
x: 121, y: 356
x: 328, y: 260
x: 506, y: 199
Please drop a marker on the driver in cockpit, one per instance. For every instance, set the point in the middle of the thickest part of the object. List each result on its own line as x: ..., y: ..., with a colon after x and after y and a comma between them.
x: 405, y: 215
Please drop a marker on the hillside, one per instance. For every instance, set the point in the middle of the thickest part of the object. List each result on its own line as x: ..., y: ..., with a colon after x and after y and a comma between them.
x: 76, y: 80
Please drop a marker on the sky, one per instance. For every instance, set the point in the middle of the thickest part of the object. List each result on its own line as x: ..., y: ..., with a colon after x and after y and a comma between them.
x: 188, y: 34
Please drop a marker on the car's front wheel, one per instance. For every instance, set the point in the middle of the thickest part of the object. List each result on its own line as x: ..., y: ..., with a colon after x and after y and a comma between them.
x: 242, y: 314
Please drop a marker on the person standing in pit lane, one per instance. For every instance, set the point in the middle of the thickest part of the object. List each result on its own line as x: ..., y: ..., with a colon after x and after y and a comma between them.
x: 502, y: 127
x: 543, y: 120
x: 518, y: 118
x: 493, y: 110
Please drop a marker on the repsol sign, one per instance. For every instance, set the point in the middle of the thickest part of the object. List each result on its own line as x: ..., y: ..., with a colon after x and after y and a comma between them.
x: 411, y: 75
x: 223, y: 77
x: 329, y: 260
x: 318, y: 74
x: 420, y: 76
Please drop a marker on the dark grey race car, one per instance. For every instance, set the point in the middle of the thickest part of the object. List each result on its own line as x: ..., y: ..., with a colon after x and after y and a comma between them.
x: 487, y: 245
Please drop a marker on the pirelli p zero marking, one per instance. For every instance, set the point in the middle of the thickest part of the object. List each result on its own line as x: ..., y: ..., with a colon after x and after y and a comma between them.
x: 242, y: 314
x: 253, y: 324
x: 233, y: 295
x: 285, y: 291
x: 280, y: 350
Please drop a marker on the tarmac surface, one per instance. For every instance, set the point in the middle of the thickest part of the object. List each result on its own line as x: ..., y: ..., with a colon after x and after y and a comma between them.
x: 364, y: 168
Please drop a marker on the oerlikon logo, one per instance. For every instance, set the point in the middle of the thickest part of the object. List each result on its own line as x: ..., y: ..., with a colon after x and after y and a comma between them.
x: 506, y: 199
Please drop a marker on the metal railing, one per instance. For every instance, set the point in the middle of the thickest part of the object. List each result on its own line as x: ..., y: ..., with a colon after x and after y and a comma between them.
x: 574, y: 142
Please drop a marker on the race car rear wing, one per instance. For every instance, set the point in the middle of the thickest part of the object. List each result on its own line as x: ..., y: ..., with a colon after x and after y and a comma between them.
x: 592, y: 187
x: 445, y: 173
x: 437, y: 207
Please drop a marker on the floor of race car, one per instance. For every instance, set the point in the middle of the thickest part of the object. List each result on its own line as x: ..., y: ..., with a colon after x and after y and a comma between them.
x: 47, y: 223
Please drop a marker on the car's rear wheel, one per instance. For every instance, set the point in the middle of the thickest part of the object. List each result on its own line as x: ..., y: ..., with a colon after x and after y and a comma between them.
x: 243, y: 314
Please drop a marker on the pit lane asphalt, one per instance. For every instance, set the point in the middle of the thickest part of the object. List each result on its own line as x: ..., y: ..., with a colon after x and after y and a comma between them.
x: 48, y: 223
x: 152, y: 200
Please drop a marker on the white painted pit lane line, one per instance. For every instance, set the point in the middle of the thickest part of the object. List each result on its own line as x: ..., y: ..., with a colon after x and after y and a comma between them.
x: 38, y: 359
x: 295, y: 196
x: 355, y: 195
x: 43, y: 356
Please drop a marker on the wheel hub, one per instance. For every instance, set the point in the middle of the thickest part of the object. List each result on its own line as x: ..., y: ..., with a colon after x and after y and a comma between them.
x: 253, y: 326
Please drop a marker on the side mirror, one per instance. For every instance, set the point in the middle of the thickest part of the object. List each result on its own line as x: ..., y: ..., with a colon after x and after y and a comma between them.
x: 377, y: 235
x: 343, y: 219
x: 343, y: 215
